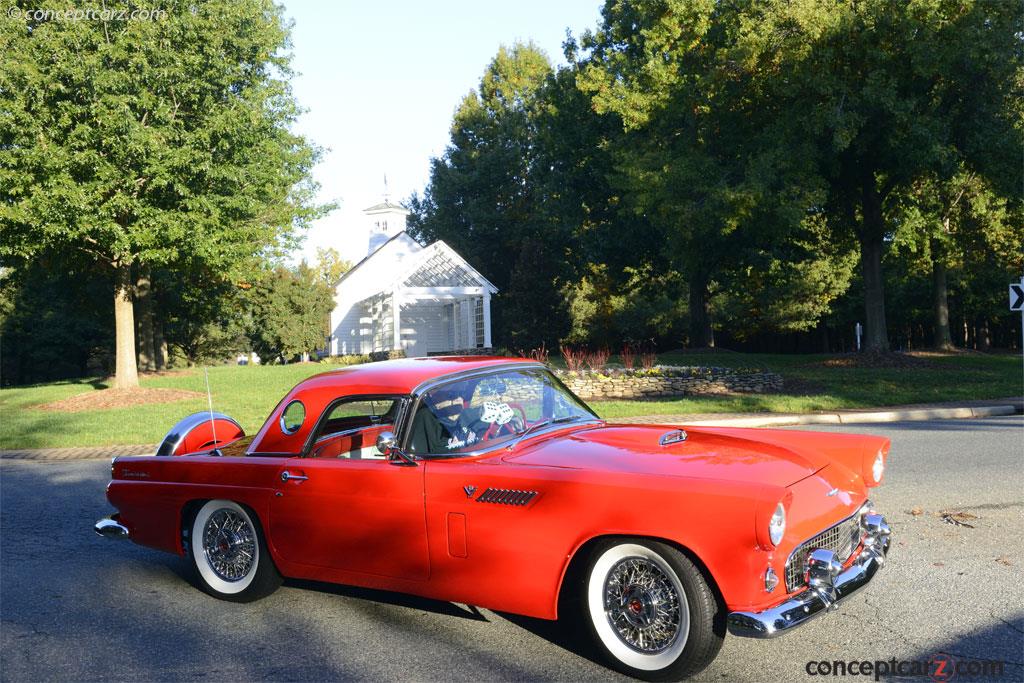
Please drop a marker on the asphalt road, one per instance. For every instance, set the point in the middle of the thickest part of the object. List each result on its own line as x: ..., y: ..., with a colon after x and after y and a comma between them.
x: 74, y: 606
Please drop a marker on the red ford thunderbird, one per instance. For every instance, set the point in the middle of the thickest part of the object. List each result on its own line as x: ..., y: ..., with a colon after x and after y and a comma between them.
x: 485, y: 481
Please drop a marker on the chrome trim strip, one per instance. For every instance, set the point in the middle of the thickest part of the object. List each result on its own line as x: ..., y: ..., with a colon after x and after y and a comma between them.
x: 185, y: 425
x: 801, y: 608
x: 109, y: 527
x: 405, y: 430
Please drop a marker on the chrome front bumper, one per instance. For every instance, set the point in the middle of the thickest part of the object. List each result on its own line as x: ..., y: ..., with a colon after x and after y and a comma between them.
x: 828, y: 584
x: 109, y: 527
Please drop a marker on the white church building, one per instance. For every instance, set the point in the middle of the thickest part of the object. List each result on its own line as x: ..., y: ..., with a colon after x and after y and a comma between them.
x: 404, y: 296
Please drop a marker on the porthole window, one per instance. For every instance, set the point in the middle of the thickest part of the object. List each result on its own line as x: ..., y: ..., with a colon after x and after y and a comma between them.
x: 293, y: 416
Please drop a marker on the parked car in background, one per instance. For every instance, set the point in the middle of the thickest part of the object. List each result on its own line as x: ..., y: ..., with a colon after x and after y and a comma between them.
x: 485, y: 481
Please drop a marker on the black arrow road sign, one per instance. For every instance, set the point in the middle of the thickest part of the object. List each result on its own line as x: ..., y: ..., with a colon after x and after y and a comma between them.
x: 1017, y: 297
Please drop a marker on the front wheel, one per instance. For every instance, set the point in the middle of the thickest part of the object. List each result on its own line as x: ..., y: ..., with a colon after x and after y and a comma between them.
x: 649, y: 611
x: 229, y: 555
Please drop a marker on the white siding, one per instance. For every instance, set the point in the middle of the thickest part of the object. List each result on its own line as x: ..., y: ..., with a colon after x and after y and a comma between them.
x: 423, y: 328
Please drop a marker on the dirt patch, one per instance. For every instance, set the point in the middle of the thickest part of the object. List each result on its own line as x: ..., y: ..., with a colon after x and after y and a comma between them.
x: 875, y: 360
x: 105, y: 399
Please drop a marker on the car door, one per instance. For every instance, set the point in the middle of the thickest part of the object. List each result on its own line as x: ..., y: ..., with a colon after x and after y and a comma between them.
x: 351, y: 511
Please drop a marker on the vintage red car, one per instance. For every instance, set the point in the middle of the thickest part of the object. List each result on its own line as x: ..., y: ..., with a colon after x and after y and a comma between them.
x: 485, y: 481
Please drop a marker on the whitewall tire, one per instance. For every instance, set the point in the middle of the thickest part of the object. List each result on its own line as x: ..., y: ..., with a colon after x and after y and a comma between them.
x: 228, y: 553
x: 648, y: 610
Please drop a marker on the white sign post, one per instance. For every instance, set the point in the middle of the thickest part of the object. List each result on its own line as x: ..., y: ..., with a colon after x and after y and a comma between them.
x: 859, y: 329
x: 1017, y: 304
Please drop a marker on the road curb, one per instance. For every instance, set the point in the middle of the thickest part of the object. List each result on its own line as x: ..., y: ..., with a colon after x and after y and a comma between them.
x: 82, y: 453
x: 861, y: 417
x: 836, y: 418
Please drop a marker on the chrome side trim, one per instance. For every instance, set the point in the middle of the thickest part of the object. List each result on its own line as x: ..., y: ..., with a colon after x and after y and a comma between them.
x: 179, y: 431
x: 109, y: 527
x: 829, y: 588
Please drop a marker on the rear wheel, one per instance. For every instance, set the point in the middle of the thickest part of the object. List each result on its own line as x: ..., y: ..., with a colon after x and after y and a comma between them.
x: 228, y: 553
x: 648, y: 610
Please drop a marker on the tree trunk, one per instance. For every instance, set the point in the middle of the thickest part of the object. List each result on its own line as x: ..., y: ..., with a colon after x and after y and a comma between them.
x: 127, y: 374
x: 940, y: 298
x: 159, y: 345
x: 701, y: 334
x: 144, y: 321
x: 984, y: 337
x: 876, y: 335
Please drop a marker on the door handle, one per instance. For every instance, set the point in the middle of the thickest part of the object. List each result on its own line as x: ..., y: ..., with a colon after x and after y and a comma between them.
x: 288, y: 476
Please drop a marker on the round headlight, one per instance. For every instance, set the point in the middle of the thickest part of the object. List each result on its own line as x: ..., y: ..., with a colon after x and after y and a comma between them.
x: 777, y: 525
x: 878, y: 467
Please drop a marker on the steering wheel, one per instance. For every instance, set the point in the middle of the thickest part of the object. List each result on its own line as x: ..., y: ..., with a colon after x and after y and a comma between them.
x: 494, y: 429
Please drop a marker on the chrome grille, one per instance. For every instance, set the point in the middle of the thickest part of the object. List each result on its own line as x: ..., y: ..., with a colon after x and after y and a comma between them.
x: 842, y: 539
x: 506, y: 496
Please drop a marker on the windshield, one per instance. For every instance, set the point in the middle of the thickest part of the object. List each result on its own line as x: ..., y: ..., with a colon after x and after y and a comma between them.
x: 480, y: 412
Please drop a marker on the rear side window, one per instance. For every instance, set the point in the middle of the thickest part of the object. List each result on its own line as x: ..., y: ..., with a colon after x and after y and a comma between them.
x: 357, y: 414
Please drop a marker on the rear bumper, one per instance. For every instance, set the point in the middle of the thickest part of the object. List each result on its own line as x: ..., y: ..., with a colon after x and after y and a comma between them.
x: 827, y: 589
x: 109, y: 527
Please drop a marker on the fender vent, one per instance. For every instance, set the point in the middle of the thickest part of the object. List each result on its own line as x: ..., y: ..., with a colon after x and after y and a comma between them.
x: 506, y: 496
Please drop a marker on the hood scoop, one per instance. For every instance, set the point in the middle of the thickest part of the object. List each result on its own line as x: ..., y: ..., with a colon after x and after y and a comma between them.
x: 669, y: 438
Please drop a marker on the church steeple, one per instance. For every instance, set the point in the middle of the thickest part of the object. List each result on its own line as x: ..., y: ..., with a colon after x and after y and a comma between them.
x: 386, y: 220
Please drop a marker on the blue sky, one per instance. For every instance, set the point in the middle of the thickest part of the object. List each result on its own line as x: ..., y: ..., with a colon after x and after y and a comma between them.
x: 381, y: 81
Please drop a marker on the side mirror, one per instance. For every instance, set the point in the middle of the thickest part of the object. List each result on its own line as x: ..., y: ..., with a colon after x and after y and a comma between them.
x: 387, y: 444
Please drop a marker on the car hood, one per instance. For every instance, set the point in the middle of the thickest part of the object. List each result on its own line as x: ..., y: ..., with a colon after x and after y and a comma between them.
x: 774, y: 457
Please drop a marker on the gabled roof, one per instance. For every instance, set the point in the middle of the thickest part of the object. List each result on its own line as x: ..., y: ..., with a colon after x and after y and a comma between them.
x: 423, y: 261
x: 372, y: 254
x: 400, y: 264
x: 386, y: 205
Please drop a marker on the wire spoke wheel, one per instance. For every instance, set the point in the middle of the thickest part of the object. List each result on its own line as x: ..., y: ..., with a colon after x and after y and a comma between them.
x: 643, y: 605
x: 229, y: 544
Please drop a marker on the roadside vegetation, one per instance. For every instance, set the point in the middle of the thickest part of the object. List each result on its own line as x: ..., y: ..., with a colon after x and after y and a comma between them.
x: 249, y: 393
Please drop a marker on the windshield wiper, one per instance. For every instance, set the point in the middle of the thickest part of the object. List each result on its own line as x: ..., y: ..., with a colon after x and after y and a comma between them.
x: 543, y: 423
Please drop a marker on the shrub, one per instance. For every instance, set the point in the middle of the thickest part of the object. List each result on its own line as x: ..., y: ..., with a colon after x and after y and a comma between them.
x: 627, y: 356
x: 574, y: 357
x: 392, y: 354
x: 597, y: 360
x: 351, y: 359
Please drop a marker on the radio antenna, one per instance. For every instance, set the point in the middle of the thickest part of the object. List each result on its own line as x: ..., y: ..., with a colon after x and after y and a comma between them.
x: 209, y: 402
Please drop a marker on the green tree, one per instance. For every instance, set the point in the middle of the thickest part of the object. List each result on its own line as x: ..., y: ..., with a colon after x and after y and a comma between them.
x: 484, y: 197
x: 289, y: 309
x: 890, y: 93
x: 143, y: 143
x: 330, y: 266
x: 693, y: 160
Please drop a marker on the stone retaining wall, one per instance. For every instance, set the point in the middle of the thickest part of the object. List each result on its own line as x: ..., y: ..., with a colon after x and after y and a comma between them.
x: 670, y: 381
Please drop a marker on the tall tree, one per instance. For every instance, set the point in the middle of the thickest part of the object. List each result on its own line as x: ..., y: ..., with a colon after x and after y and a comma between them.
x: 141, y: 143
x: 890, y: 93
x: 484, y: 196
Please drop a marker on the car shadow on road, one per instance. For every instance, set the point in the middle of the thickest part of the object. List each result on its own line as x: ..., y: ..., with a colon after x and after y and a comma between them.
x: 395, y: 599
x: 993, y: 653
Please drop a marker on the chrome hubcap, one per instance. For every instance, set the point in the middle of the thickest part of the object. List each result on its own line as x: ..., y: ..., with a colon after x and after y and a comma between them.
x: 642, y: 605
x: 229, y: 543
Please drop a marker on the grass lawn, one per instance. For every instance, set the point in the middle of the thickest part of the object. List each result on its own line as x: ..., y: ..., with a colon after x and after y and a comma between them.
x: 249, y: 393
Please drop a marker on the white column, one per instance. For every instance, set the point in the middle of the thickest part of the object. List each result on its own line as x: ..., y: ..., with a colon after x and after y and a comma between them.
x: 396, y: 319
x: 487, y: 319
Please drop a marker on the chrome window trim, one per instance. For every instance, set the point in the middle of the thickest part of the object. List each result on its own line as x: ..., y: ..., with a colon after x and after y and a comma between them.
x: 307, y: 448
x: 433, y: 383
x: 280, y: 421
